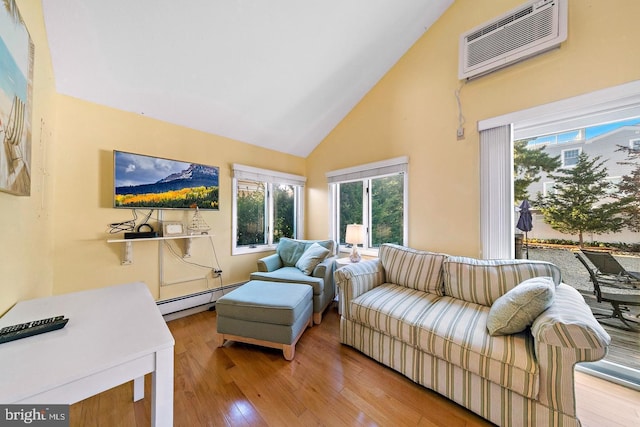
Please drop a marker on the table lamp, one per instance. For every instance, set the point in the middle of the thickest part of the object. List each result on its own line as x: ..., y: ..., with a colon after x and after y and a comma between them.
x: 354, y: 237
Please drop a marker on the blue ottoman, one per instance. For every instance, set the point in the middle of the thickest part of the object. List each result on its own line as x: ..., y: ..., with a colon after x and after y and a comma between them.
x: 269, y: 314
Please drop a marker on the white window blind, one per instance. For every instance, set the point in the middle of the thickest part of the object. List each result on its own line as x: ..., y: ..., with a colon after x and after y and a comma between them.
x: 369, y: 170
x: 251, y: 173
x: 496, y: 193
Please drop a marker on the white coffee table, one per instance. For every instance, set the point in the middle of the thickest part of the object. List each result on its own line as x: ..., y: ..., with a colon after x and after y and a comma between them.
x: 114, y: 335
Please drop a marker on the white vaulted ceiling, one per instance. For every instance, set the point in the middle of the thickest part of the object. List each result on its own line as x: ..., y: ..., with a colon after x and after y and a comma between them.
x: 274, y: 73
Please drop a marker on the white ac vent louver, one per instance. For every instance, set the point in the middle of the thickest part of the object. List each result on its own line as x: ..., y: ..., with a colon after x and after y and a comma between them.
x: 528, y: 30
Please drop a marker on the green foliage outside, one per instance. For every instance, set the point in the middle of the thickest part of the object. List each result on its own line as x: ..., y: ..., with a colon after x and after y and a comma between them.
x: 619, y: 246
x: 251, y: 217
x: 252, y: 227
x: 629, y: 188
x: 387, y: 216
x: 387, y: 210
x: 581, y: 201
x: 284, y: 201
x: 527, y: 165
x: 350, y: 206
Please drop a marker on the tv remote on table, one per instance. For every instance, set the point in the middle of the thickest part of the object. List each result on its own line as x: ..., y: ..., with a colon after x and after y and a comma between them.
x: 23, y: 330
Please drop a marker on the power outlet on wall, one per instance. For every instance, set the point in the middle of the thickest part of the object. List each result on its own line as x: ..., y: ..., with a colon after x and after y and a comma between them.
x: 460, y: 133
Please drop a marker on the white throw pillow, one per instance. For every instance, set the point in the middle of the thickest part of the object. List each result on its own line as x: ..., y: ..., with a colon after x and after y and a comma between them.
x: 311, y: 258
x: 518, y: 308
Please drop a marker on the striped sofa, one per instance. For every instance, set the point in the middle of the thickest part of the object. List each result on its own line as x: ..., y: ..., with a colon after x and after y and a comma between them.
x: 424, y: 314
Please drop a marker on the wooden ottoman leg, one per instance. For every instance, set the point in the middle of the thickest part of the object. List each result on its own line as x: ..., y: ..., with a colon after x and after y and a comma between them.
x: 289, y: 351
x: 218, y: 339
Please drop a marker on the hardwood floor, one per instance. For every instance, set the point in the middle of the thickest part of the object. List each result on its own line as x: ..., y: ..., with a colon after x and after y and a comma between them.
x: 326, y: 384
x: 624, y: 348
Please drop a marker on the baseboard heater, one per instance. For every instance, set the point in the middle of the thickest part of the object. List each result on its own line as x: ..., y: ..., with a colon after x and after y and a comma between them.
x: 200, y: 300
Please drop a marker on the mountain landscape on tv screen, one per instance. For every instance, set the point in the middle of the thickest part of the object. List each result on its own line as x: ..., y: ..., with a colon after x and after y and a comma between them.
x: 194, y: 176
x: 195, y: 186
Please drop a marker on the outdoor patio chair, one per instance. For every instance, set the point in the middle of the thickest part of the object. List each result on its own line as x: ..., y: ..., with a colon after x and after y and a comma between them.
x: 619, y: 298
x: 611, y: 270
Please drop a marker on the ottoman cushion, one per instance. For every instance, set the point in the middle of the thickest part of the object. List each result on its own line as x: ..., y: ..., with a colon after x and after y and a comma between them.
x: 266, y: 302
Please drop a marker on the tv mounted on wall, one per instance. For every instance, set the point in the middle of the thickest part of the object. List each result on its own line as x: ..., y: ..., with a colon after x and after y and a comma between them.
x: 148, y: 182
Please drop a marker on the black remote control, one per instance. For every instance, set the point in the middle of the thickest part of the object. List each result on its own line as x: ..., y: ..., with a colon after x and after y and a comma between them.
x: 23, y: 330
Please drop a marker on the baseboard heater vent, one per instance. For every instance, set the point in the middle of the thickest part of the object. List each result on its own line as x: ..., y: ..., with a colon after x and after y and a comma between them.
x: 199, y: 301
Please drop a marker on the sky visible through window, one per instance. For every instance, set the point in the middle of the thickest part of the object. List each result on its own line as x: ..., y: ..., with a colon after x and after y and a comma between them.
x: 589, y: 133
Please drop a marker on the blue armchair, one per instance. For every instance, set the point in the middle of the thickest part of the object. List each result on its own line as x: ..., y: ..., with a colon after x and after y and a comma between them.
x: 303, y: 261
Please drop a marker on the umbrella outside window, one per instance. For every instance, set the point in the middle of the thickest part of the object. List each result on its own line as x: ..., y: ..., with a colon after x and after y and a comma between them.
x: 525, y: 222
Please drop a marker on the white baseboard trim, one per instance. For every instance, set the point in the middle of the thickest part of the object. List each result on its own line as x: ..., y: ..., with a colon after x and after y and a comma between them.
x: 175, y: 308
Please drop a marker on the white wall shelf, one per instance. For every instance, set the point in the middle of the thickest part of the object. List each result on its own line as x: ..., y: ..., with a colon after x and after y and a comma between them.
x: 127, y: 254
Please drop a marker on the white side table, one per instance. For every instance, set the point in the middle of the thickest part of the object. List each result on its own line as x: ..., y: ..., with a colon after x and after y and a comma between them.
x: 114, y: 335
x: 341, y: 262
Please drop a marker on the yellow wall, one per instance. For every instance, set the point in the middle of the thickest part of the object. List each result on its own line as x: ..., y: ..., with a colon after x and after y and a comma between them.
x: 413, y: 112
x: 55, y: 240
x: 87, y: 135
x: 26, y: 267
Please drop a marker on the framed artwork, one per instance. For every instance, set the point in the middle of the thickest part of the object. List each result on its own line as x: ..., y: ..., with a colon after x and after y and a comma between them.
x: 16, y: 88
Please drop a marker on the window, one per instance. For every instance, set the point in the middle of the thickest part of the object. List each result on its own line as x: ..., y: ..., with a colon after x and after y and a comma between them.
x: 374, y: 195
x: 549, y: 187
x: 570, y: 157
x: 267, y: 206
x: 634, y: 145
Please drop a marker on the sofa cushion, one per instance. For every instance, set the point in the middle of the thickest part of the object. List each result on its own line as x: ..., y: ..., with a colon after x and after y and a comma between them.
x: 413, y: 268
x: 392, y: 309
x: 311, y: 258
x: 484, y: 281
x: 518, y: 308
x: 456, y: 331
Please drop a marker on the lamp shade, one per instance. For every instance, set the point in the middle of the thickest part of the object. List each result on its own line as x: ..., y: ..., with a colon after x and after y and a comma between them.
x: 355, y: 234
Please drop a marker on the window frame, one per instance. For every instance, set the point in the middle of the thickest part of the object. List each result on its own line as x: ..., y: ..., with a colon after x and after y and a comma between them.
x: 366, y: 173
x: 270, y: 179
x: 567, y: 150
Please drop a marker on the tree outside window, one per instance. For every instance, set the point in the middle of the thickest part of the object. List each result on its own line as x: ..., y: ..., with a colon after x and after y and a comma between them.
x: 581, y: 202
x: 267, y: 206
x: 379, y: 204
x: 284, y: 212
x: 387, y: 214
x: 251, y: 213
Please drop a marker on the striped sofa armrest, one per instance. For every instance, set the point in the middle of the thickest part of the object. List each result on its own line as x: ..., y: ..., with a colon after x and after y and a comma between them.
x: 354, y: 280
x: 565, y: 334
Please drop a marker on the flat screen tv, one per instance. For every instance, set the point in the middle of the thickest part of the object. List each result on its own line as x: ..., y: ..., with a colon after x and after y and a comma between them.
x: 148, y: 182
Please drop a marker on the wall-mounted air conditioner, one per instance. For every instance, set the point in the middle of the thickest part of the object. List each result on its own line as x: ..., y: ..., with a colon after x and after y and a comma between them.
x: 528, y: 30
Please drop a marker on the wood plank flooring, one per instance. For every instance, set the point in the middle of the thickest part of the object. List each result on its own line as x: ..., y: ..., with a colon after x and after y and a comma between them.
x: 625, y: 342
x: 326, y: 384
